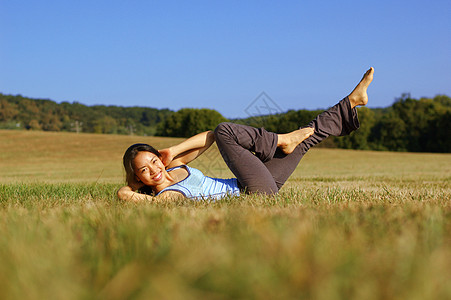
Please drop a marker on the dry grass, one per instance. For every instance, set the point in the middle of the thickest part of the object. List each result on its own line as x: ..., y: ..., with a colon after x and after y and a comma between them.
x: 348, y: 225
x: 67, y: 157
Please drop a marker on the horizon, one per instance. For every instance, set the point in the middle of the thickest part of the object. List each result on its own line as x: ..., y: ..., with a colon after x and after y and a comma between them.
x: 167, y: 108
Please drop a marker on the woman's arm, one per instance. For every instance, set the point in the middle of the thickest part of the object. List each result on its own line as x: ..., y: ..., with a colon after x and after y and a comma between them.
x: 187, y: 150
x: 126, y: 193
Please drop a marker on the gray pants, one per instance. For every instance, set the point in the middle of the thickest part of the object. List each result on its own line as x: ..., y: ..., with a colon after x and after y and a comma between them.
x: 253, y: 157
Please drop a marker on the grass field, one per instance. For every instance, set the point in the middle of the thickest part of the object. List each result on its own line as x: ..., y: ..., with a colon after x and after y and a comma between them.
x: 347, y: 225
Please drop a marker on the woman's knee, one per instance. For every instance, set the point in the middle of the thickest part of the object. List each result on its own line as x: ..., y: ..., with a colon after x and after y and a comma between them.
x: 263, y: 190
x: 223, y: 129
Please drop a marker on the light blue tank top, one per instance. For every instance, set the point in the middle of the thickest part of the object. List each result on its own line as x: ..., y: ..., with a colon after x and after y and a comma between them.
x: 197, y: 186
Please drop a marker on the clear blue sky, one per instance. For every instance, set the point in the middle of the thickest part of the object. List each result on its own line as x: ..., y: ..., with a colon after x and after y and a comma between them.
x: 223, y: 54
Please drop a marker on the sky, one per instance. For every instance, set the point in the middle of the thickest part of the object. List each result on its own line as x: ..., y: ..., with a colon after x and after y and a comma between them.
x: 230, y: 56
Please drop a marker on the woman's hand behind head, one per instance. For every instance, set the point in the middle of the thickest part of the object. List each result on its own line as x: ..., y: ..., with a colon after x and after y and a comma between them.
x: 166, y: 156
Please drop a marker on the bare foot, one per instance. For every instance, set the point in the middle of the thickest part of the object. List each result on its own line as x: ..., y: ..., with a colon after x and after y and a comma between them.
x: 359, y: 96
x: 288, y: 142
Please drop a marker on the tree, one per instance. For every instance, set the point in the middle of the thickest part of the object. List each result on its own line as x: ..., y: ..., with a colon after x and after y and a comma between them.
x: 389, y: 134
x: 410, y: 125
x: 189, y: 121
x: 51, y: 122
x: 34, y: 125
x: 105, y: 124
x: 359, y: 138
x: 8, y: 111
x: 439, y: 137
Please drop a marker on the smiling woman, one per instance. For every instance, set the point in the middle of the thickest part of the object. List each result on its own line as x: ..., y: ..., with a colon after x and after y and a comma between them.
x: 262, y: 161
x: 146, y: 172
x: 130, y: 156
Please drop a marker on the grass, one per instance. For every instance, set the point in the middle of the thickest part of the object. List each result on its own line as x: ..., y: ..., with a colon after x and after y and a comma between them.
x: 347, y: 225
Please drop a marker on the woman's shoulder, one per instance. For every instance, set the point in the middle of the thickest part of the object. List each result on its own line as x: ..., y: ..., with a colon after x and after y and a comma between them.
x: 189, y: 169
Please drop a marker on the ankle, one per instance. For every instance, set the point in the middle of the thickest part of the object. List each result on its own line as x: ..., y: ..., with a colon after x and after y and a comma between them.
x: 352, y: 101
x: 281, y: 140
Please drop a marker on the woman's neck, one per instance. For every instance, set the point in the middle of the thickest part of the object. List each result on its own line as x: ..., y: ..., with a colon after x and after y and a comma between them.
x: 172, y: 177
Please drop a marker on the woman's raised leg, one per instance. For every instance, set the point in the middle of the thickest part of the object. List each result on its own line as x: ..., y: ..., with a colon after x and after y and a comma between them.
x: 277, y: 156
x: 339, y: 120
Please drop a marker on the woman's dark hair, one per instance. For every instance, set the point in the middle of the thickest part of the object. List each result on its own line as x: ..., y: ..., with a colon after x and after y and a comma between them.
x: 130, y: 155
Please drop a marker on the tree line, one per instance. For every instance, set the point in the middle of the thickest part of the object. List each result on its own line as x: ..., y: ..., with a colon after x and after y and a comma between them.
x: 412, y: 125
x: 17, y: 112
x: 416, y: 125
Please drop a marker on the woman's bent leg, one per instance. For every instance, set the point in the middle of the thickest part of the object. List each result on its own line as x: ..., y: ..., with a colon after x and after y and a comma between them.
x: 235, y: 142
x: 338, y: 120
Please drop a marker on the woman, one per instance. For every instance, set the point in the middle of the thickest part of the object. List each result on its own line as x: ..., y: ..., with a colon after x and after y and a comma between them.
x: 261, y: 161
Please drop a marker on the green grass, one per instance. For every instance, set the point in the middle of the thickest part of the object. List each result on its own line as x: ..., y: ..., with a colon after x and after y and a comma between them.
x: 348, y: 225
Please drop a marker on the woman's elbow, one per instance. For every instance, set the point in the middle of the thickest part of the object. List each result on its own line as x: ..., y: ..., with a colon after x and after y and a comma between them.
x: 124, y: 193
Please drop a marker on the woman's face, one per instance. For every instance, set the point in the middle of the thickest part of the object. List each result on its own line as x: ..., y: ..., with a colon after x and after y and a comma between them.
x: 149, y: 169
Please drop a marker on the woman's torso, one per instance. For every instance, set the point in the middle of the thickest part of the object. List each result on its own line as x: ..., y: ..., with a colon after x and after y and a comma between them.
x: 198, y: 186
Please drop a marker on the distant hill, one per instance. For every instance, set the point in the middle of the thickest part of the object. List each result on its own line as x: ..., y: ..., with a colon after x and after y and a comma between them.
x: 422, y: 125
x: 18, y: 112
